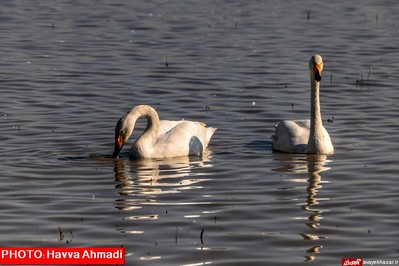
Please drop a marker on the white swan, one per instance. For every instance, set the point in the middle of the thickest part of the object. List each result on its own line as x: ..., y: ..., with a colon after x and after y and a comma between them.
x: 161, y: 138
x: 306, y: 136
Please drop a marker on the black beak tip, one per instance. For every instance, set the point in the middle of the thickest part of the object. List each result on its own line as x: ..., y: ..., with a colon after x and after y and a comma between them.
x: 115, y: 154
x: 317, y: 77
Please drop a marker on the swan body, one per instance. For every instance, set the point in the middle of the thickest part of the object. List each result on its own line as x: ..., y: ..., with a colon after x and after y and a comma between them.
x: 306, y: 136
x: 161, y: 138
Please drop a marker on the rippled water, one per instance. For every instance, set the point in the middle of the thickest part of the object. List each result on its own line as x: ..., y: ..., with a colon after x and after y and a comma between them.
x: 70, y: 69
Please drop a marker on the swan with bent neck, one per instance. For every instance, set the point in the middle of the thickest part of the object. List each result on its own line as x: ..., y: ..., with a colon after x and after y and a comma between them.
x: 306, y: 136
x: 161, y: 138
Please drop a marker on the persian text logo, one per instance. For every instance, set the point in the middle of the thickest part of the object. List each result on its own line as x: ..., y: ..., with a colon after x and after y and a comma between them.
x: 352, y: 262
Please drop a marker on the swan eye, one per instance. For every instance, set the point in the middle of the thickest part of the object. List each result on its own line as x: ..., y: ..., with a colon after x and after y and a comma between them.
x: 313, y: 60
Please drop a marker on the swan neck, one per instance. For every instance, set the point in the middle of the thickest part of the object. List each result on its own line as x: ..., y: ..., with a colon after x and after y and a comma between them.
x: 151, y: 132
x: 315, y: 112
x: 315, y: 142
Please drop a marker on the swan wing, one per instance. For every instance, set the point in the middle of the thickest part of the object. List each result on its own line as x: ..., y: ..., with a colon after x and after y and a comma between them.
x: 291, y: 136
x: 167, y: 125
x: 185, y: 138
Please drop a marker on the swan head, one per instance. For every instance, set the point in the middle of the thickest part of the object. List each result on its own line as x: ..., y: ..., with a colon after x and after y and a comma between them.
x: 316, y: 67
x: 123, y: 130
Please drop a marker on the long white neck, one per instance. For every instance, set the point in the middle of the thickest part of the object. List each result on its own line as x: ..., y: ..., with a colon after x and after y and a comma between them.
x: 150, y: 134
x: 315, y: 142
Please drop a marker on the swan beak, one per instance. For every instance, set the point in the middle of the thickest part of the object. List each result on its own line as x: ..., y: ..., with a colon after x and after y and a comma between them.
x: 119, y: 142
x: 318, y: 68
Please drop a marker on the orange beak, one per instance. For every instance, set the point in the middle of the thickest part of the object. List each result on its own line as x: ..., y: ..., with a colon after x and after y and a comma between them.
x: 119, y: 142
x: 318, y: 68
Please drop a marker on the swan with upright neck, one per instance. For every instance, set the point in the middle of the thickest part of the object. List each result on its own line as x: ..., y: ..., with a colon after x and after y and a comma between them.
x: 306, y: 136
x: 161, y: 138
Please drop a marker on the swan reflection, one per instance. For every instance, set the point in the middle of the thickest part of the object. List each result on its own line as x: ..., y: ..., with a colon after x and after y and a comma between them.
x: 312, y: 165
x: 142, y: 183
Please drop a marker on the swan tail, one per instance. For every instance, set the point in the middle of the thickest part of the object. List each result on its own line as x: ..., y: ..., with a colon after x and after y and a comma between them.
x: 209, y: 132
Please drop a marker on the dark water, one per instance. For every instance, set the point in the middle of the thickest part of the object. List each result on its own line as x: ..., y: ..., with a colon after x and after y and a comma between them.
x: 70, y: 69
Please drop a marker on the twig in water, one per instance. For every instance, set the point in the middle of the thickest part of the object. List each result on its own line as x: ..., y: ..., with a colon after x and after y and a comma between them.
x: 368, y: 75
x: 362, y: 81
x: 201, y: 235
x: 61, y: 234
x: 176, y: 236
x: 69, y: 241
